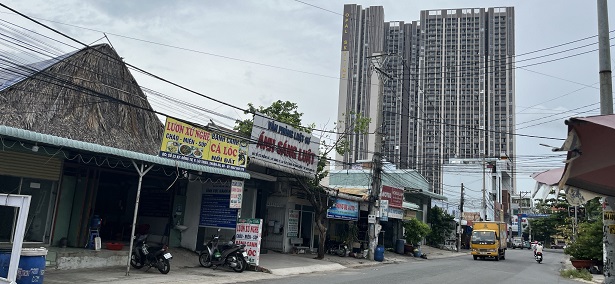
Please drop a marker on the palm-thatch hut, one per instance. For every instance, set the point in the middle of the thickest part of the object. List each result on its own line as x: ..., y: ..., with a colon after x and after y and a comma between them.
x: 73, y: 129
x: 88, y: 95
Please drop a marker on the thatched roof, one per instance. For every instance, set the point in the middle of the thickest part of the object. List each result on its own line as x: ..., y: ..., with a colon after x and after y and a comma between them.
x: 77, y: 97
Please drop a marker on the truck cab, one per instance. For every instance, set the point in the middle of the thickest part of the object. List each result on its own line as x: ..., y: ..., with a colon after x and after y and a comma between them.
x: 489, y: 240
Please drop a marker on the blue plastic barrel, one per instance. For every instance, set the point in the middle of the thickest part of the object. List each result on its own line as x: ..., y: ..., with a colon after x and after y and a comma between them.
x: 379, y: 254
x: 417, y: 251
x: 31, y: 267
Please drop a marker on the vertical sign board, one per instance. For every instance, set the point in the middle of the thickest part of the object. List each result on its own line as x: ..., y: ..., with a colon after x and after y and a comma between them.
x: 248, y: 232
x: 384, y: 210
x: 215, y: 211
x: 293, y: 223
x: 236, y: 194
x: 344, y: 210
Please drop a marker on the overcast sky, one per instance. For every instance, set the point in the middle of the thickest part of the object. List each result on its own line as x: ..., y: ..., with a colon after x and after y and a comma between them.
x: 261, y: 51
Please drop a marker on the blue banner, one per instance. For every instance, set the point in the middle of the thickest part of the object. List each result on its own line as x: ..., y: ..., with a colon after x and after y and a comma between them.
x: 215, y: 211
x: 344, y: 210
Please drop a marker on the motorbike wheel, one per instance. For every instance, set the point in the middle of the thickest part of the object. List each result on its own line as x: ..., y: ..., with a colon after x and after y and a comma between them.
x: 205, y: 259
x: 341, y: 252
x: 163, y: 265
x: 241, y: 264
x: 135, y: 262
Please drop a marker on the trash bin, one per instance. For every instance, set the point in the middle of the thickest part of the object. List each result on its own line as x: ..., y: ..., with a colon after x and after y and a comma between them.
x: 31, y: 267
x: 399, y: 246
x: 379, y: 254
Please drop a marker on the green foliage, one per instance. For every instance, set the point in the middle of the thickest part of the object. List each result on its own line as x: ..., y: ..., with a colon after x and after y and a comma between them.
x: 442, y: 225
x: 415, y: 231
x: 360, y: 125
x: 285, y: 112
x: 573, y: 273
x: 588, y: 244
x: 544, y: 228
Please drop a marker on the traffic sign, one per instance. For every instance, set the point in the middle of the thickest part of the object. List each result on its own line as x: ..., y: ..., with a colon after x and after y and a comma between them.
x: 580, y: 211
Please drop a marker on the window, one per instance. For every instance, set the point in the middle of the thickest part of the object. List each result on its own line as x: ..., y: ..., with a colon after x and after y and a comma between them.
x: 39, y: 215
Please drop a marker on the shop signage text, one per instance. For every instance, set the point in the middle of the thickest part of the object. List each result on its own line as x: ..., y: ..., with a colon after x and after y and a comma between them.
x: 283, y: 147
x: 248, y: 232
x: 344, y: 209
x: 184, y: 142
x: 395, y: 196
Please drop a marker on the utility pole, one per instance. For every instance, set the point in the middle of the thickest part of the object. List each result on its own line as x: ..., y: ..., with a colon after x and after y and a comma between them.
x: 606, y: 107
x: 377, y: 157
x: 484, y: 191
x: 460, y: 231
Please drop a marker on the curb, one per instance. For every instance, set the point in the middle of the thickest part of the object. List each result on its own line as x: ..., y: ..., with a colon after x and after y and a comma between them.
x: 306, y: 269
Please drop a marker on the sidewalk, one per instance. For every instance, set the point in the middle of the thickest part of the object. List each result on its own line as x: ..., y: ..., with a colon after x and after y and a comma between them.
x: 185, y: 268
x: 566, y: 264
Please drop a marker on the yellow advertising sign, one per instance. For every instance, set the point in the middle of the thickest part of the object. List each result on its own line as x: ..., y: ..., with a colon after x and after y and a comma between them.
x: 184, y: 142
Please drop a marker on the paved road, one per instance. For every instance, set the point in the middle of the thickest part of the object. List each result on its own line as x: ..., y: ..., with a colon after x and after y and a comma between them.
x: 519, y: 267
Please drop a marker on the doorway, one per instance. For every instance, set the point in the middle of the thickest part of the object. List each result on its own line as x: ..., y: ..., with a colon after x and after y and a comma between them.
x: 306, y: 221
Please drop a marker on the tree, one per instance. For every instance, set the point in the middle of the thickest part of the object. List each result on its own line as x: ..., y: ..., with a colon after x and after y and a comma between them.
x: 318, y: 196
x: 415, y: 231
x: 589, y: 242
x: 285, y: 112
x: 441, y: 226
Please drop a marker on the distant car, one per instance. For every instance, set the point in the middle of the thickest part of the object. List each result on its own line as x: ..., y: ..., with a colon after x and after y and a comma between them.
x: 517, y: 243
x: 527, y: 245
x: 558, y: 245
x: 533, y: 244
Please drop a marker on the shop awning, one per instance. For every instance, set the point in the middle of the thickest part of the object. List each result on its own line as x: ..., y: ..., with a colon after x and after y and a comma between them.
x: 358, y: 191
x: 411, y: 206
x: 426, y: 193
x: 100, y: 149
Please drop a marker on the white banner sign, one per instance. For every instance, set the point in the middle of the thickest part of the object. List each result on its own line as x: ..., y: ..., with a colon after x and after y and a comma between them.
x: 396, y: 213
x: 236, y: 194
x: 293, y: 223
x: 384, y: 210
x: 248, y: 232
x: 282, y: 147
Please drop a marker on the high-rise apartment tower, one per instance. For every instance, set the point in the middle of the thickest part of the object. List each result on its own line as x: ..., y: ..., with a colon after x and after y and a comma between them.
x: 450, y: 89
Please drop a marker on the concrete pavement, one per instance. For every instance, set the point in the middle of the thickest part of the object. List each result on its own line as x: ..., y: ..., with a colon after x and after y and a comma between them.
x: 566, y: 264
x: 185, y: 268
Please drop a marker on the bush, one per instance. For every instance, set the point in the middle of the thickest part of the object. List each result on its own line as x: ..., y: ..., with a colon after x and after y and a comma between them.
x: 573, y: 273
x: 415, y: 231
x: 589, y: 242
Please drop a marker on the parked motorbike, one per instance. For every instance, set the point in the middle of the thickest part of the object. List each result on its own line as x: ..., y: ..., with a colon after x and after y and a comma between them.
x: 145, y: 255
x: 338, y: 248
x: 539, y: 257
x: 230, y: 254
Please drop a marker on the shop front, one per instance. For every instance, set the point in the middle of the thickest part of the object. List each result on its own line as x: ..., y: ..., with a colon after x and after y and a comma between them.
x: 345, y: 224
x: 32, y: 174
x: 391, y: 200
x: 82, y: 190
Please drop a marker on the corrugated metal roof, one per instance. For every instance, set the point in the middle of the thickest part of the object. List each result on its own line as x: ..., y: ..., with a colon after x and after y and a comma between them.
x: 95, y: 148
x: 12, y: 75
x: 408, y: 179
